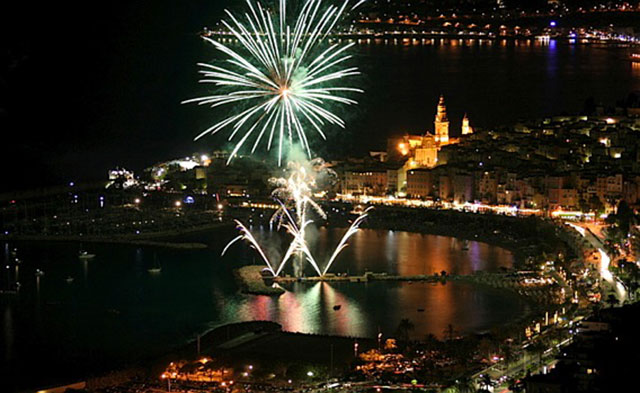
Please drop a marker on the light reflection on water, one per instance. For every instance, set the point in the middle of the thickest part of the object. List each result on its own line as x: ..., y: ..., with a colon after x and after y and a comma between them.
x: 366, y: 309
x: 114, y: 310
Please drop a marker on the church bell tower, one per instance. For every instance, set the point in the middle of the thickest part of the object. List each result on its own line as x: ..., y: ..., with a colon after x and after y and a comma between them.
x: 442, y: 123
x: 466, y: 127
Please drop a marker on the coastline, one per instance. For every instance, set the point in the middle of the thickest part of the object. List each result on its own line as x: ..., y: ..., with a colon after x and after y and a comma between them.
x: 165, y: 239
x: 122, y: 241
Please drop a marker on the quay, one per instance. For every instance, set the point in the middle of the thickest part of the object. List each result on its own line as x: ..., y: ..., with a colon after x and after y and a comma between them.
x: 367, y: 276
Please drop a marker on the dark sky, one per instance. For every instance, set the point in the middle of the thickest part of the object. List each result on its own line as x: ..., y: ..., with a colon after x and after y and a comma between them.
x: 82, y: 88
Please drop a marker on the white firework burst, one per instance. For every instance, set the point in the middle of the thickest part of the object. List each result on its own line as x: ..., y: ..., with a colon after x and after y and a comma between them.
x: 282, y: 77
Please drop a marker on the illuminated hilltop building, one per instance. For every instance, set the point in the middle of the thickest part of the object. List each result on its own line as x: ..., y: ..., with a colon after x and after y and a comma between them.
x: 421, y: 151
x: 442, y: 123
x: 466, y: 128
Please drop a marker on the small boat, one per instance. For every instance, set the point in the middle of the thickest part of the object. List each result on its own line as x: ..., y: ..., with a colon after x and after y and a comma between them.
x: 69, y: 279
x: 85, y: 255
x: 635, y: 57
x: 337, y: 307
x: 156, y: 268
x: 11, y: 290
x: 39, y: 273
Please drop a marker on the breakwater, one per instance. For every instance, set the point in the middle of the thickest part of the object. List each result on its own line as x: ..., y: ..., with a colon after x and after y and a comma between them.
x: 540, y: 292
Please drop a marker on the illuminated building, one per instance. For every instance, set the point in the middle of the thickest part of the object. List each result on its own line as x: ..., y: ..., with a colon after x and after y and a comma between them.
x: 442, y: 123
x: 365, y: 182
x: 419, y: 183
x: 466, y: 128
x: 121, y: 178
x: 421, y: 151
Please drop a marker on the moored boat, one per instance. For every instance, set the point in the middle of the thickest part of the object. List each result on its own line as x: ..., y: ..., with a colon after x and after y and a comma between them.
x: 85, y: 255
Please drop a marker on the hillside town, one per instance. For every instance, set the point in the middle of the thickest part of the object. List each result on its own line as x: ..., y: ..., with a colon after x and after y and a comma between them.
x: 558, y: 165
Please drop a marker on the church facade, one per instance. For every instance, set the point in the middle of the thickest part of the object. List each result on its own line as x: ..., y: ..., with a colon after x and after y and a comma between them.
x: 421, y: 151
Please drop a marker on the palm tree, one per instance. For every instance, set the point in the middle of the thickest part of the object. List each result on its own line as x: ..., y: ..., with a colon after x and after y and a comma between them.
x: 431, y: 341
x: 404, y: 328
x: 449, y: 333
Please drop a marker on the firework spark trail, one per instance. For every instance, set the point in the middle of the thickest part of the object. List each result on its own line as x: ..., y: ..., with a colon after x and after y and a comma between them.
x: 246, y: 235
x: 353, y: 229
x: 285, y: 73
x: 297, y: 245
x: 298, y: 189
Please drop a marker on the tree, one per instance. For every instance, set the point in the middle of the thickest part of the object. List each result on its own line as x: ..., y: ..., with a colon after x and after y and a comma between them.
x: 449, y: 333
x: 596, y: 204
x: 485, y: 347
x: 537, y: 348
x: 624, y: 216
x: 485, y: 382
x: 612, y: 300
x: 432, y: 342
x: 508, y: 354
x: 465, y: 385
x: 404, y: 329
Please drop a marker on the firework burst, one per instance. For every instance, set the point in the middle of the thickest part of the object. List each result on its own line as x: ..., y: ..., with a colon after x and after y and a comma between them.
x: 284, y: 74
x: 294, y: 194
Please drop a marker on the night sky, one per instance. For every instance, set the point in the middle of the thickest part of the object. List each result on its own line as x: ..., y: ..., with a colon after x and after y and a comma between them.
x: 85, y: 88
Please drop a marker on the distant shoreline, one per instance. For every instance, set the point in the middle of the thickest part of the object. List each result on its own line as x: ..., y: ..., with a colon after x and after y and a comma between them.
x: 164, y: 239
x: 131, y: 242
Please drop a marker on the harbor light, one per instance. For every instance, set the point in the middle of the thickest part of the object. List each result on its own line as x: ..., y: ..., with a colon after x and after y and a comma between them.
x: 178, y: 203
x: 309, y: 373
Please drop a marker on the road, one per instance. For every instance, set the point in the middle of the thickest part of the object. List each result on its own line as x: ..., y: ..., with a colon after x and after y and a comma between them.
x: 588, y: 231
